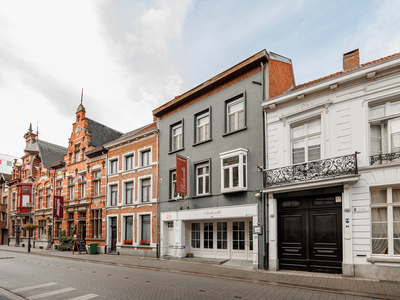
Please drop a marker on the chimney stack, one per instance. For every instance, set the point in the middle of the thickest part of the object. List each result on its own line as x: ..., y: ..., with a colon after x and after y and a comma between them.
x: 351, y: 60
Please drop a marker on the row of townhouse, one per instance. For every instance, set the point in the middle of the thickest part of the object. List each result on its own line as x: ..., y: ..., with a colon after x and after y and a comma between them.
x: 300, y: 177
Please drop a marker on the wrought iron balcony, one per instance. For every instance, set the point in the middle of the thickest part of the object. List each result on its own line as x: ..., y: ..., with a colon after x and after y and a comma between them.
x: 383, y: 158
x: 314, y: 170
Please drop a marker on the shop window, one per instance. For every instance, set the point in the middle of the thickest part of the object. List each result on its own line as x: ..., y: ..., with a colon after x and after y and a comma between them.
x: 208, y: 235
x: 385, y: 221
x: 251, y: 235
x: 238, y: 233
x: 306, y: 141
x: 234, y: 170
x: 195, y: 235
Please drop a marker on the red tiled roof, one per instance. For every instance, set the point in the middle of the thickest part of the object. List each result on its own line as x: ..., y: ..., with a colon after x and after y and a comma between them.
x: 343, y: 72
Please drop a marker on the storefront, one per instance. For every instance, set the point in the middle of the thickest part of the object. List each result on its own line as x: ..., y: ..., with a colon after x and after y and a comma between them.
x: 223, y: 232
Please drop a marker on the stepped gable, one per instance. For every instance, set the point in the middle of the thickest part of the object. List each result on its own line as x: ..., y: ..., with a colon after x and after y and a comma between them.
x: 101, y: 134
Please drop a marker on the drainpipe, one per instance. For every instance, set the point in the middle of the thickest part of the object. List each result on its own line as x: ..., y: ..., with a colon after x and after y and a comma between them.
x: 264, y: 148
x: 52, y: 213
x: 105, y: 208
x: 158, y: 198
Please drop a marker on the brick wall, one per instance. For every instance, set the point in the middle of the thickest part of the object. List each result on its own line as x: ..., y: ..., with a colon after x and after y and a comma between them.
x: 281, y: 77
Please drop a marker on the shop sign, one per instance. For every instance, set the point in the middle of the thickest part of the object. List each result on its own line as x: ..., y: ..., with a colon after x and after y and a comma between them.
x: 181, y: 175
x: 212, y: 213
x: 58, y: 207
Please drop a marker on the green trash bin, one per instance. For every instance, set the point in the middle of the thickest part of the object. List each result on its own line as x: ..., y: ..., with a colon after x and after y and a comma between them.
x: 92, y: 248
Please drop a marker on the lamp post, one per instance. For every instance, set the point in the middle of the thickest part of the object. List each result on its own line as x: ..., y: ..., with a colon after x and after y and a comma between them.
x: 30, y: 205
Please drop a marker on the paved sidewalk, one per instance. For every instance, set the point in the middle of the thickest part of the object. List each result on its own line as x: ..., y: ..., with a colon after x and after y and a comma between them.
x: 326, y: 282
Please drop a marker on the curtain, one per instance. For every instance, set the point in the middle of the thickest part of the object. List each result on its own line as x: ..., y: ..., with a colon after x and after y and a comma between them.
x: 379, y: 230
x: 396, y: 229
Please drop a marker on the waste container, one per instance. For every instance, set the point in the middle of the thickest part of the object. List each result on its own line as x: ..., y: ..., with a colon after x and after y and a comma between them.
x: 92, y: 247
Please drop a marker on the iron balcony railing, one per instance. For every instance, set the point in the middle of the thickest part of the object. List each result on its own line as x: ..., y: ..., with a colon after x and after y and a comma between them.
x: 314, y: 170
x: 383, y: 158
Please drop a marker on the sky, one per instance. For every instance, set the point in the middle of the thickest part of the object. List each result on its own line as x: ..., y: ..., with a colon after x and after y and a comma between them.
x: 131, y: 56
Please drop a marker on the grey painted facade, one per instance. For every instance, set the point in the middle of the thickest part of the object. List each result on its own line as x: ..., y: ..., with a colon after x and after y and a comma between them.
x: 249, y: 138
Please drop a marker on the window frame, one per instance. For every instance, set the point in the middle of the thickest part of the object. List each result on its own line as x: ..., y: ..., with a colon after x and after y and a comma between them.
x: 181, y: 124
x: 388, y: 205
x: 242, y: 170
x: 172, y: 185
x: 125, y: 183
x: 124, y: 229
x: 230, y: 102
x: 113, y: 162
x: 97, y: 219
x: 197, y: 117
x: 197, y: 165
x: 126, y: 162
x: 306, y: 137
x: 140, y: 226
x: 150, y: 187
x: 148, y: 150
x: 386, y: 120
x: 111, y: 186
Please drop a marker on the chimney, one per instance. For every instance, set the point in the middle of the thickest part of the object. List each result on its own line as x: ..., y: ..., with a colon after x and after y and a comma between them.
x: 351, y: 60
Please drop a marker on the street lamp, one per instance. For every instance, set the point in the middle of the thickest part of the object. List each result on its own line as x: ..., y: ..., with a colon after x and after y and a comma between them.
x: 30, y: 205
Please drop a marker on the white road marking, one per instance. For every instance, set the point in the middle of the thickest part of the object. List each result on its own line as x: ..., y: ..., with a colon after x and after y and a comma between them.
x: 85, y: 297
x: 50, y: 293
x: 33, y: 287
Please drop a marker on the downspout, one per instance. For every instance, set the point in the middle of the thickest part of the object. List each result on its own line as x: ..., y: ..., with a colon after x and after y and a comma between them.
x: 105, y: 208
x: 158, y: 198
x: 52, y: 213
x: 8, y: 213
x: 264, y: 163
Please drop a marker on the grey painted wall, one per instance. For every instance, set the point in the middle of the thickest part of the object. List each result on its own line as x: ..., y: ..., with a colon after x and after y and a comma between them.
x: 250, y: 138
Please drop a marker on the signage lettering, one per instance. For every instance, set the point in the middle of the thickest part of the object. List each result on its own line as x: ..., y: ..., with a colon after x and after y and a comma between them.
x: 58, y: 206
x: 181, y: 175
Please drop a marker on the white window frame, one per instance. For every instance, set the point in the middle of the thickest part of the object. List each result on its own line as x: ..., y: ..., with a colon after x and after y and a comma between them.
x: 236, y: 114
x: 111, y: 161
x: 99, y: 229
x: 83, y: 190
x: 126, y: 156
x: 390, y: 221
x: 178, y: 136
x: 123, y: 229
x: 173, y: 186
x: 108, y: 229
x: 388, y: 117
x: 110, y: 195
x: 140, y: 188
x: 71, y: 188
x: 206, y: 126
x: 305, y: 138
x: 141, y: 156
x: 203, y: 177
x: 139, y: 227
x: 242, y: 167
x: 125, y: 182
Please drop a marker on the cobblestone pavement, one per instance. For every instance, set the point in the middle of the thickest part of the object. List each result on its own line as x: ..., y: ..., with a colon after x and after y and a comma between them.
x: 82, y: 276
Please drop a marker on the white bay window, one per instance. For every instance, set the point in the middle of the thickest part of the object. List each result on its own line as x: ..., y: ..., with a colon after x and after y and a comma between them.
x: 234, y: 170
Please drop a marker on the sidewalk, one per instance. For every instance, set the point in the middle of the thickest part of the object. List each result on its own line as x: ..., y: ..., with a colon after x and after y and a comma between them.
x: 317, y: 281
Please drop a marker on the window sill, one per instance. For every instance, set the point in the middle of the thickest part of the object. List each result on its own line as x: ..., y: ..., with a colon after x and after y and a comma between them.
x: 233, y: 190
x: 202, y: 196
x: 200, y: 143
x: 229, y: 133
x: 174, y: 151
x: 390, y: 259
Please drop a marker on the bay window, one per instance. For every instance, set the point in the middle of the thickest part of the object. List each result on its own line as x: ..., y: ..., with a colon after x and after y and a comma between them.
x: 234, y: 170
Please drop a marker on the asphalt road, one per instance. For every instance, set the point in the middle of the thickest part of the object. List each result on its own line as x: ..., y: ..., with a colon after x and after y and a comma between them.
x: 24, y: 276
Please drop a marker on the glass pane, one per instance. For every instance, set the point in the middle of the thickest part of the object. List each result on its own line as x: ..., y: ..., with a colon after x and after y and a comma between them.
x: 199, y: 171
x: 379, y: 214
x: 200, y: 185
x: 396, y: 213
x: 235, y: 107
x: 241, y: 120
x: 298, y: 131
x: 378, y: 196
x: 207, y: 184
x: 146, y: 228
x: 231, y: 123
x: 177, y: 130
x: 314, y: 127
x: 203, y: 120
x: 394, y: 107
x: 298, y: 152
x: 396, y: 230
x: 226, y: 178
x: 314, y: 149
x: 379, y: 246
x: 231, y: 161
x: 200, y: 134
x: 235, y: 176
x: 395, y: 135
x: 241, y: 245
x: 396, y: 246
x: 241, y: 225
x: 244, y: 176
x: 379, y: 230
x: 377, y: 111
x: 376, y: 139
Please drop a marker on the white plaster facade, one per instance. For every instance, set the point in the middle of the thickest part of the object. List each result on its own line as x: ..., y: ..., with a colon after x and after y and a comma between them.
x: 342, y: 104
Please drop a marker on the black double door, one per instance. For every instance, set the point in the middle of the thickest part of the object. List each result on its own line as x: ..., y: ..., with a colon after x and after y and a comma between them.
x: 310, y: 234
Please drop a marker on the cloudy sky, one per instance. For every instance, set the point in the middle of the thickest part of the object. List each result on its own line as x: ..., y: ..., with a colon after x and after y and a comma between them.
x: 131, y: 56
